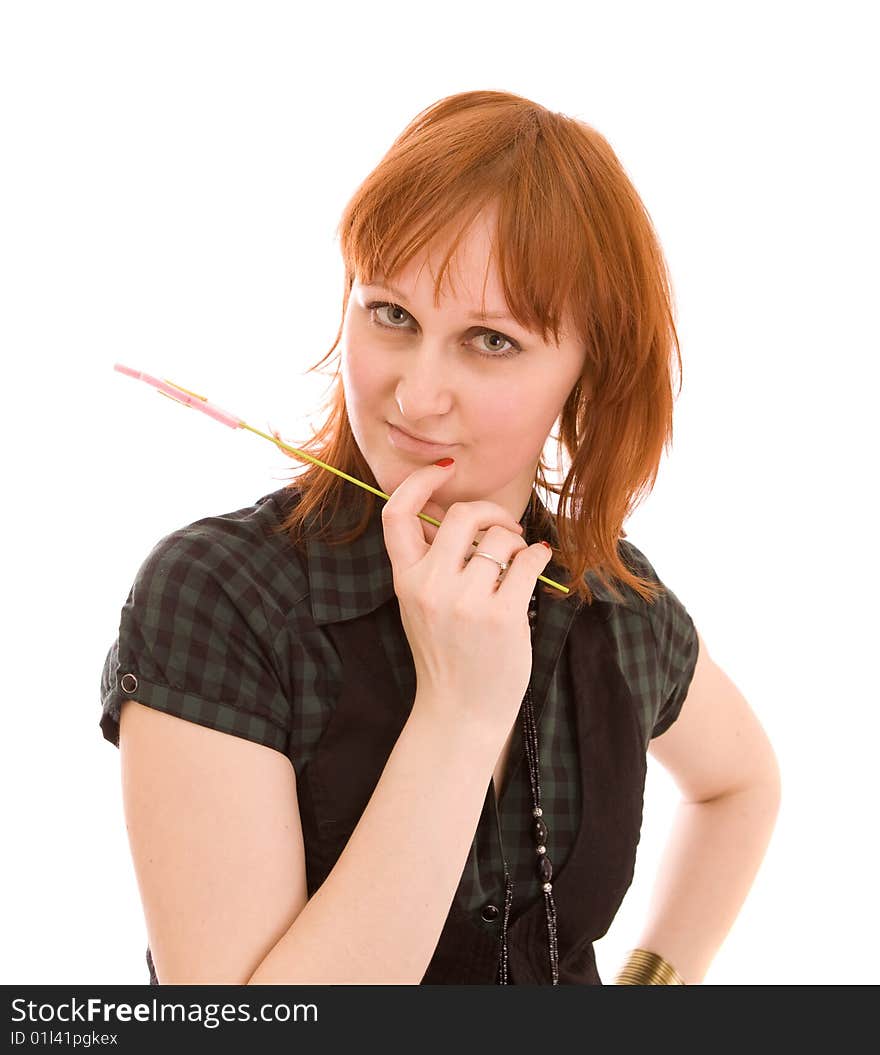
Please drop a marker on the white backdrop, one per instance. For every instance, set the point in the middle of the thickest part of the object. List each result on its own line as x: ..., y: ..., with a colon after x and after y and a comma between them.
x: 172, y: 176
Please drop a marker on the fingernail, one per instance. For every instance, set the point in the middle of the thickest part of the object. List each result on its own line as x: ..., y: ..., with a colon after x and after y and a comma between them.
x: 547, y: 544
x: 444, y: 463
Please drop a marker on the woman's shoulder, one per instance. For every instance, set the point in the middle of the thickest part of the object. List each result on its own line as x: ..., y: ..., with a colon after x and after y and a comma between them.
x: 202, y: 633
x: 657, y: 643
x: 637, y: 562
x: 243, y: 549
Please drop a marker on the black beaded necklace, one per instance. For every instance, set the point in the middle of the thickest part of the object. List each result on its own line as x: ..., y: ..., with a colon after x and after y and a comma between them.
x: 540, y: 832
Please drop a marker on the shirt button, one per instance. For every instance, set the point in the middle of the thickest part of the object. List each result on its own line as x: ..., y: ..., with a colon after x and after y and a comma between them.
x: 128, y: 683
x: 490, y: 913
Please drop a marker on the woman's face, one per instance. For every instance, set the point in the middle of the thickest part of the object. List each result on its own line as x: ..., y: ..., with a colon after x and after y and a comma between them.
x: 492, y: 396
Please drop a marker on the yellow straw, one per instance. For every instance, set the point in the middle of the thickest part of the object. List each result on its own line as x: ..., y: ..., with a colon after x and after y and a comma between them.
x: 324, y: 465
x: 367, y: 487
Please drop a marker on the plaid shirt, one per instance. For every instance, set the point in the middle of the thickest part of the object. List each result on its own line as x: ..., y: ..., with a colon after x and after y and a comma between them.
x: 223, y: 626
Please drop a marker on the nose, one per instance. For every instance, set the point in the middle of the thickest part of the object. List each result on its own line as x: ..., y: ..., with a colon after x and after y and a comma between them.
x: 424, y: 389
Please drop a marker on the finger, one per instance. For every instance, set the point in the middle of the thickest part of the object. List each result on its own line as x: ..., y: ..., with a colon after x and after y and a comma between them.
x: 404, y: 532
x: 432, y: 509
x: 525, y: 567
x: 465, y: 526
x: 499, y: 544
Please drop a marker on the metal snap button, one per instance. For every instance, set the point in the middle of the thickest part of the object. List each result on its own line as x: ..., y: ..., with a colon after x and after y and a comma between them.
x: 490, y: 913
x: 128, y: 683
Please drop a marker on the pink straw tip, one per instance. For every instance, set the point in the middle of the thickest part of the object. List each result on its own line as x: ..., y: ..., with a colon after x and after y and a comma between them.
x: 181, y: 396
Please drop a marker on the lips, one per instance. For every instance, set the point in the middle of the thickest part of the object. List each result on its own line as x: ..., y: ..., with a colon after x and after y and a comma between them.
x: 421, y: 439
x: 405, y: 442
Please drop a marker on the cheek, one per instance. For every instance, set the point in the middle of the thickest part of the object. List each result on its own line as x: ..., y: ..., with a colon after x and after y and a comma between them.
x: 515, y: 420
x: 361, y: 376
x: 505, y: 440
x: 358, y: 366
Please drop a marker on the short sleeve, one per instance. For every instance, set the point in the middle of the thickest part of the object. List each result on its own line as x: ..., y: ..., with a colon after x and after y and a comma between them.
x: 195, y: 641
x: 677, y: 645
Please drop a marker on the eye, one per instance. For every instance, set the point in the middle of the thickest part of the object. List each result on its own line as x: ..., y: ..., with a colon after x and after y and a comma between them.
x: 395, y: 309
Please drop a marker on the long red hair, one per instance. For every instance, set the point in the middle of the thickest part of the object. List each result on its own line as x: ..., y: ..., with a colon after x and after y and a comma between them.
x: 572, y: 236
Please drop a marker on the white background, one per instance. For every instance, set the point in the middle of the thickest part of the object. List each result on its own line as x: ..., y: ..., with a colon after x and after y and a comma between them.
x: 172, y: 176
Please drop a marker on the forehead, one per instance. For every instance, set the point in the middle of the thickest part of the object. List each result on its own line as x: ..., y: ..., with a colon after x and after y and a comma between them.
x: 471, y: 276
x: 471, y: 280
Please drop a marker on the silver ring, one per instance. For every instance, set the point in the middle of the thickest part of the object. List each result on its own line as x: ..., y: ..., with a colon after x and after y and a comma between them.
x: 503, y: 565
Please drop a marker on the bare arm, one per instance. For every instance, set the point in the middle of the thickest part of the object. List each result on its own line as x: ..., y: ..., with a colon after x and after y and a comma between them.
x: 378, y: 916
x: 214, y: 830
x: 220, y: 862
x: 726, y: 769
x: 709, y: 864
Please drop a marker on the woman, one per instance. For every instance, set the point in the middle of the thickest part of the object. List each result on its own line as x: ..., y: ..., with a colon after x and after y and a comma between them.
x: 352, y: 754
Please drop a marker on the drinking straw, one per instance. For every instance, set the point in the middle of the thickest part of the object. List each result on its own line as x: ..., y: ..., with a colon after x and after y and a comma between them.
x: 192, y: 399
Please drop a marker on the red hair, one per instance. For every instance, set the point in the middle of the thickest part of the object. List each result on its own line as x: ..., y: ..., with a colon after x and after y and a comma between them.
x: 573, y: 237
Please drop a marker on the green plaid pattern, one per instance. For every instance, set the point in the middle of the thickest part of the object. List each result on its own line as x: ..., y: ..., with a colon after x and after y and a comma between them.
x: 223, y: 627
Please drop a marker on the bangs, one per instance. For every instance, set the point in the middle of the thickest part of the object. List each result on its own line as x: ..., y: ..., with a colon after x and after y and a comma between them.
x: 428, y: 196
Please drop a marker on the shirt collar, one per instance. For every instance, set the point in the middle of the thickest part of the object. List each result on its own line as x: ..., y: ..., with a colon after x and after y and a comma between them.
x: 354, y: 578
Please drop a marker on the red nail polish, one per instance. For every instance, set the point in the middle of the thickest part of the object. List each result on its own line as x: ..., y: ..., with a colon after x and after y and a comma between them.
x: 444, y: 463
x: 547, y: 544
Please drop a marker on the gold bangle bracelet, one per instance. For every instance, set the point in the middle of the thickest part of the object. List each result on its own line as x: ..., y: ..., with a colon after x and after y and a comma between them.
x: 647, y: 968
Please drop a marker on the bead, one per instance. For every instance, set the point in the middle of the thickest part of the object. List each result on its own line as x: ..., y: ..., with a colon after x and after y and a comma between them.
x: 544, y: 866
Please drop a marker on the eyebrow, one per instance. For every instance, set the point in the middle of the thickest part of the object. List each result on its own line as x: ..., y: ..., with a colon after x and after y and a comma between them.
x: 477, y: 314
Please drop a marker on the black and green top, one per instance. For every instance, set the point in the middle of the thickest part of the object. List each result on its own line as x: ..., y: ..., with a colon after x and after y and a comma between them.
x: 226, y: 625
